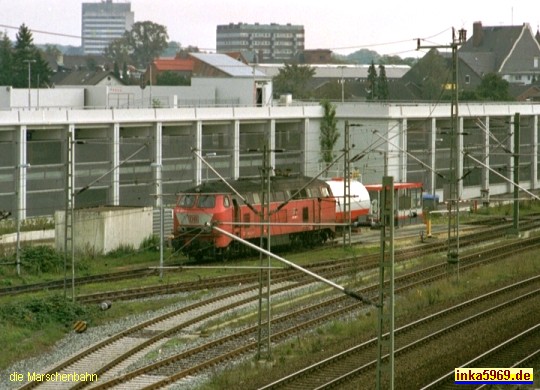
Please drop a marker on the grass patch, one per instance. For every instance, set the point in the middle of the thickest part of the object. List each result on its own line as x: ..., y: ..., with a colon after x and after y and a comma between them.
x: 26, y: 339
x: 169, y: 346
x: 30, y: 325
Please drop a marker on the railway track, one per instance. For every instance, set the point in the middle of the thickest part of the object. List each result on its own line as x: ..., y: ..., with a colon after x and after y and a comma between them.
x: 491, y: 233
x: 58, y: 284
x: 522, y: 350
x: 358, y: 363
x: 340, y: 267
x: 122, y: 349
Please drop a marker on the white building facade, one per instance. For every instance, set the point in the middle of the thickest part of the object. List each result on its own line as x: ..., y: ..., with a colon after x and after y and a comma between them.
x: 102, y: 23
x: 127, y: 156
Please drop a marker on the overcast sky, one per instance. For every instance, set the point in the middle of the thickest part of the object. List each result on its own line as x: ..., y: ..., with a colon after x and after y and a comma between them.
x: 344, y: 26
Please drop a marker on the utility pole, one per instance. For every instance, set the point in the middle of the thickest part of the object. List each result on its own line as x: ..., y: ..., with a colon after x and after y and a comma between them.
x: 158, y: 169
x: 385, y: 328
x: 453, y: 198
x: 342, y: 82
x: 347, y: 189
x: 265, y: 224
x: 347, y: 231
x: 69, y: 248
x: 71, y: 194
x: 515, y: 227
x: 29, y: 62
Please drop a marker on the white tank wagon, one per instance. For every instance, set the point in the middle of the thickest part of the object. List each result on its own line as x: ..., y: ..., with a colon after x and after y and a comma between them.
x: 360, y: 201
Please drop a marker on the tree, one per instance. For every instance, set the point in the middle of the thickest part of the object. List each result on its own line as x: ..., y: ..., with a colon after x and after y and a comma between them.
x: 363, y: 56
x: 6, y: 60
x: 146, y: 41
x: 52, y: 50
x: 118, y: 51
x: 116, y: 70
x: 382, y: 84
x: 125, y: 73
x: 493, y: 88
x: 372, y: 82
x: 328, y: 132
x: 293, y: 79
x: 26, y: 54
x: 434, y: 74
x: 171, y: 49
x: 91, y: 64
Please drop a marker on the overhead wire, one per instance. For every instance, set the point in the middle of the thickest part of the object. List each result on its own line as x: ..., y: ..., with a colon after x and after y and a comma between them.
x: 213, y: 49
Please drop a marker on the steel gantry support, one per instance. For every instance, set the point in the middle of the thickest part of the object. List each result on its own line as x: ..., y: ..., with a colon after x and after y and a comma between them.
x: 347, y: 218
x: 455, y: 153
x: 266, y: 170
x: 515, y: 225
x: 385, y: 336
x: 347, y: 188
x: 69, y: 247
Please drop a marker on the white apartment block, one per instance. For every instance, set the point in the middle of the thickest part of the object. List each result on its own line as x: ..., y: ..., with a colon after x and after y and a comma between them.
x: 103, y: 22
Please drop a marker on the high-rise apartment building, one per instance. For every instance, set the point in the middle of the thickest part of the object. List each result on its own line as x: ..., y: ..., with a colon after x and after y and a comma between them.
x: 271, y: 42
x: 104, y: 22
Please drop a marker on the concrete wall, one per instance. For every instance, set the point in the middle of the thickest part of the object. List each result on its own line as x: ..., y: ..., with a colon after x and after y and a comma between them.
x: 104, y: 229
x: 5, y: 97
x: 37, y: 235
x: 17, y: 98
x: 240, y: 88
x: 129, y: 96
x: 202, y: 92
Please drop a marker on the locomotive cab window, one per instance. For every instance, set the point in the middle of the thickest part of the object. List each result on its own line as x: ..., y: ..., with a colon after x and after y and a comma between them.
x: 300, y: 195
x: 279, y: 196
x: 187, y: 201
x: 256, y: 199
x: 206, y: 201
x: 226, y: 201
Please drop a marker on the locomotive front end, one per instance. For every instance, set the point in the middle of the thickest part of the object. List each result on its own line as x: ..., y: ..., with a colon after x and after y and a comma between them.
x: 194, y: 215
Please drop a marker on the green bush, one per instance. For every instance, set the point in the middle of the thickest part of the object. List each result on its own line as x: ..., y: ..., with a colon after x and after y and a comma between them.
x: 41, y: 258
x: 150, y: 243
x: 39, y: 311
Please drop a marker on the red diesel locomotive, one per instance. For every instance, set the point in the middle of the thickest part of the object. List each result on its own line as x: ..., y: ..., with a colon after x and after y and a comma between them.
x: 302, y: 212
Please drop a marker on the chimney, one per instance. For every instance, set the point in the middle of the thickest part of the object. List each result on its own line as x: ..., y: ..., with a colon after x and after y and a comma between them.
x: 478, y: 34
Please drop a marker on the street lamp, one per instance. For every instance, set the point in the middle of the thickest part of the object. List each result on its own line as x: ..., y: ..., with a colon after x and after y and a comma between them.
x: 29, y: 62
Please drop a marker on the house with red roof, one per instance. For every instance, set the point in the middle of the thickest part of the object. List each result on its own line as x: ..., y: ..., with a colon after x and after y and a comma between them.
x: 179, y: 66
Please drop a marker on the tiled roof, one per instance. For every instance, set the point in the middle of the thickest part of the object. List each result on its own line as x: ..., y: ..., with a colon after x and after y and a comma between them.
x: 174, y: 64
